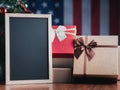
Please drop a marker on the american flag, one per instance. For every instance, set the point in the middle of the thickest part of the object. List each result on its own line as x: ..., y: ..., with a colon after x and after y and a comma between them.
x: 92, y: 17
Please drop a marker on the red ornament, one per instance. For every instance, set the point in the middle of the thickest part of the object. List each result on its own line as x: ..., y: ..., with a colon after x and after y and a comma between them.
x: 3, y: 10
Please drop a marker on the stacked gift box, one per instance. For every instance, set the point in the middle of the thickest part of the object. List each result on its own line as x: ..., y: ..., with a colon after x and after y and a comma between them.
x: 63, y: 53
x: 83, y: 56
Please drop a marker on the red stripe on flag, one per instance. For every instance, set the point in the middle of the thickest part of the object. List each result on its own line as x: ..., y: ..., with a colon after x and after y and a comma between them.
x: 114, y: 18
x: 77, y: 8
x: 95, y: 17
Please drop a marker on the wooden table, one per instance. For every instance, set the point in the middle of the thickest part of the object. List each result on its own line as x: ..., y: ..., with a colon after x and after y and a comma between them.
x: 60, y: 86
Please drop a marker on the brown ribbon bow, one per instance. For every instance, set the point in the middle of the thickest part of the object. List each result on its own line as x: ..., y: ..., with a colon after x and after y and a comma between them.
x: 80, y: 46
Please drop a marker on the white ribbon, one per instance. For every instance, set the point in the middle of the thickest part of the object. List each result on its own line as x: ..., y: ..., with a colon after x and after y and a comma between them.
x: 61, y: 32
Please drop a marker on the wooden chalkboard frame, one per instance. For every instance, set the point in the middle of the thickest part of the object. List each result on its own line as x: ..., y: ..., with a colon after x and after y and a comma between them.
x: 7, y: 43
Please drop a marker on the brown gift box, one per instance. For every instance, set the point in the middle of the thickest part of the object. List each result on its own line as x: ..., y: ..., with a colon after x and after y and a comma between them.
x: 105, y: 61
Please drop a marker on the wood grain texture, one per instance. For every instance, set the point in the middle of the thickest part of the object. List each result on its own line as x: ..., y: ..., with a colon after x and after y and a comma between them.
x: 61, y: 86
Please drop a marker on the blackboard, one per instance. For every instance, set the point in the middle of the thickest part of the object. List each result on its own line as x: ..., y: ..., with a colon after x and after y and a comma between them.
x: 28, y: 48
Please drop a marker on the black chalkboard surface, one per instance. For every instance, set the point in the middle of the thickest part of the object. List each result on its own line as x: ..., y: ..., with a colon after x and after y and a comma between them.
x: 28, y: 48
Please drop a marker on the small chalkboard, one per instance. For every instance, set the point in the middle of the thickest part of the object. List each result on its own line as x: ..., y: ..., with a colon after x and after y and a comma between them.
x: 28, y: 48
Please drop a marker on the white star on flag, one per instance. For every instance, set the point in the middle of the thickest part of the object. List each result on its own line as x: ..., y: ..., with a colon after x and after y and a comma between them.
x: 38, y: 11
x: 44, y: 4
x: 56, y: 20
x: 51, y: 12
x: 33, y: 4
x: 57, y: 4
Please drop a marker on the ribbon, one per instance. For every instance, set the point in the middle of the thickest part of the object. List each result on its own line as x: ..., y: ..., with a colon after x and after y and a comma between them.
x: 26, y: 10
x: 61, y: 32
x: 22, y: 5
x: 80, y: 46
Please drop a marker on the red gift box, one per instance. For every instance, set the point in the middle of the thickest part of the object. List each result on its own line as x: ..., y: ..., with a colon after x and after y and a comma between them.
x: 62, y: 45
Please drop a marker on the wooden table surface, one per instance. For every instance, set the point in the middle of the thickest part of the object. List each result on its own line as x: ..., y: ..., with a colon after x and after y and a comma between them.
x: 60, y: 86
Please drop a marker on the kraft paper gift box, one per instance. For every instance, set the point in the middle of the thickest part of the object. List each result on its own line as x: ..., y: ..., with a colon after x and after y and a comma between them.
x: 62, y: 45
x: 96, y: 56
x: 119, y: 62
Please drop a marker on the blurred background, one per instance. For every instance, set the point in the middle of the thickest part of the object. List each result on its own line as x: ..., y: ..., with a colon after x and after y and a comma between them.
x: 92, y: 17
